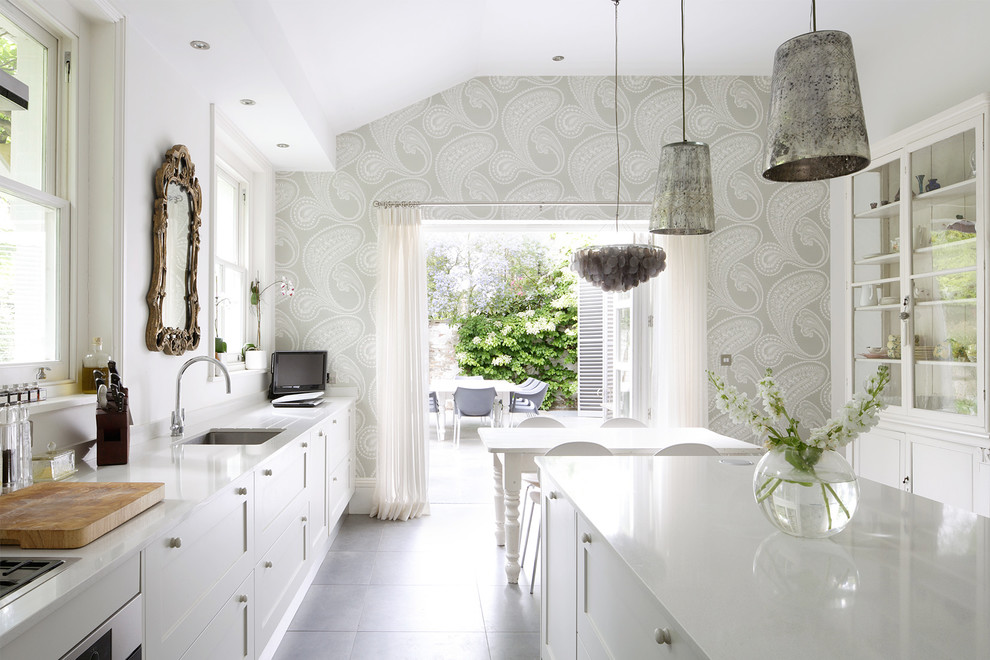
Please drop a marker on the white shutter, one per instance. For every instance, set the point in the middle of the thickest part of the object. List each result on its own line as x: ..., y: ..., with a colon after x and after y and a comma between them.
x: 594, y: 349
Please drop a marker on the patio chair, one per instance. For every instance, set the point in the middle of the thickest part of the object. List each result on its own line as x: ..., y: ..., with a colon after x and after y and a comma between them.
x: 528, y: 401
x: 535, y: 495
x: 472, y: 402
x: 623, y: 423
x: 435, y: 408
x: 688, y: 449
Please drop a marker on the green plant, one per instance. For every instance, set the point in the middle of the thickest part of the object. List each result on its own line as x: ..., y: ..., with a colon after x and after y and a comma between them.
x: 537, y: 342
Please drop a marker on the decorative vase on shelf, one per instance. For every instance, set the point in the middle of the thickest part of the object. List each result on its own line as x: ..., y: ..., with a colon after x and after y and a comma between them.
x: 812, y: 501
x: 932, y: 184
x: 921, y: 182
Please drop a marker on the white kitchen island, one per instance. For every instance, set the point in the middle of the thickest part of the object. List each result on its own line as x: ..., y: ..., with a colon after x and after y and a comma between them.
x: 638, y: 551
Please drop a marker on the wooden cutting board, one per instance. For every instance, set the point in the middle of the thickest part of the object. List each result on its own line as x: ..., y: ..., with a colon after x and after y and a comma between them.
x: 56, y: 515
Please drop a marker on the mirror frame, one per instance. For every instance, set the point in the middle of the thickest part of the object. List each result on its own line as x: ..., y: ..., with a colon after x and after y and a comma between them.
x: 177, y: 167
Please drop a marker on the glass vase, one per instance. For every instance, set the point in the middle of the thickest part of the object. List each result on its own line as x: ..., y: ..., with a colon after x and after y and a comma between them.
x: 812, y: 501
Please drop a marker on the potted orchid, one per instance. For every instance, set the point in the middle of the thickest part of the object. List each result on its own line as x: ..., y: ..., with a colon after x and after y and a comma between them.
x: 254, y: 356
x: 804, y: 486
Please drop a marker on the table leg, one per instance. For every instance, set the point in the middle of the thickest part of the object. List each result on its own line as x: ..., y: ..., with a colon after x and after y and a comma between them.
x: 499, y: 501
x: 511, y: 478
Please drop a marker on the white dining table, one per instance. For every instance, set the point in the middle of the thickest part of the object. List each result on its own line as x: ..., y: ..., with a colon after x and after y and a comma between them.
x: 513, y: 451
x: 444, y: 387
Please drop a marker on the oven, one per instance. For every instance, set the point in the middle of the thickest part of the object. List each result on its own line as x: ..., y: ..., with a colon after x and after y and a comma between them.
x: 119, y: 638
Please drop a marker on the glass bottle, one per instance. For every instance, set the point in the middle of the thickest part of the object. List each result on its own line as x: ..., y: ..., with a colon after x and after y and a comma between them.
x: 9, y: 449
x: 95, y: 359
x: 24, y: 477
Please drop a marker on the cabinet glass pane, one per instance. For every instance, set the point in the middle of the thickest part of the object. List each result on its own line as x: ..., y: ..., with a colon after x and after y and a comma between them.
x: 944, y: 164
x: 865, y: 368
x: 947, y: 387
x: 876, y: 224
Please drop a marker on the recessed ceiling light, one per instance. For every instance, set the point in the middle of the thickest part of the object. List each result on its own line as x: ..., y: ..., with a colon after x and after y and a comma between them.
x: 247, y: 102
x: 282, y: 145
x: 558, y: 58
x: 199, y: 45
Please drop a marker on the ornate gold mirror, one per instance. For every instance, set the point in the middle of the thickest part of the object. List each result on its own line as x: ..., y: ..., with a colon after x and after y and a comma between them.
x: 173, y: 301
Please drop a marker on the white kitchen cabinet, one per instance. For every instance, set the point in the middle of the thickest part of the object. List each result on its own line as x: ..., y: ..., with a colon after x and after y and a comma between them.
x: 617, y: 617
x: 340, y: 463
x: 916, y: 301
x: 558, y: 575
x: 191, y: 571
x: 228, y: 636
x: 280, y: 481
x: 316, y: 489
x: 279, y: 572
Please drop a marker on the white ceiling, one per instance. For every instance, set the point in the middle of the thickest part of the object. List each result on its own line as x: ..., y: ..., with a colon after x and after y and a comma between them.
x: 317, y: 68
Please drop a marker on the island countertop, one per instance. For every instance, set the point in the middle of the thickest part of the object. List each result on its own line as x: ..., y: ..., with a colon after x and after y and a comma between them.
x: 908, y: 578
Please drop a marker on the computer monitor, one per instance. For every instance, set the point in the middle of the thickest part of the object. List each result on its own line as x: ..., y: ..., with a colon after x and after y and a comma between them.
x: 297, y: 372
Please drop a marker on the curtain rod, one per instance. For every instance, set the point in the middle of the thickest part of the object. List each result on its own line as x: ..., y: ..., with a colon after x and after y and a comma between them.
x: 379, y: 204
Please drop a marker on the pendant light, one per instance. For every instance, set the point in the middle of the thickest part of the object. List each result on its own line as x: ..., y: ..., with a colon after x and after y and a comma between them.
x: 816, y: 129
x: 618, y: 267
x: 683, y: 202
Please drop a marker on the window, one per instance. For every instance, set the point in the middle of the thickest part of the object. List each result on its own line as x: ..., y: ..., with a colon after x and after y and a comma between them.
x: 34, y: 221
x: 230, y: 262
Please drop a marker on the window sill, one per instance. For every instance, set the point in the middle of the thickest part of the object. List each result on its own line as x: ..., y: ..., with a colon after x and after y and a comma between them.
x: 60, y: 402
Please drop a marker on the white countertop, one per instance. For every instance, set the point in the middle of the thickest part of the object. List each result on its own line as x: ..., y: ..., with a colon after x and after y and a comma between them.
x: 191, y: 474
x: 628, y: 440
x: 908, y: 578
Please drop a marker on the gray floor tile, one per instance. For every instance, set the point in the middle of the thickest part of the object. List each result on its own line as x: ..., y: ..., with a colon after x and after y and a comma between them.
x: 510, y: 608
x: 315, y: 646
x: 348, y: 567
x: 420, y: 646
x: 421, y: 609
x: 363, y: 537
x: 423, y: 568
x: 328, y: 608
x: 514, y: 646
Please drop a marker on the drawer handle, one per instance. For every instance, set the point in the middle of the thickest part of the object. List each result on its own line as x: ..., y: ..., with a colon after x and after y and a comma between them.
x: 305, y: 444
x: 175, y: 542
x: 241, y: 491
x: 320, y: 433
x: 267, y: 473
x: 662, y: 635
x: 552, y: 495
x: 586, y: 538
x: 268, y: 564
x: 242, y: 598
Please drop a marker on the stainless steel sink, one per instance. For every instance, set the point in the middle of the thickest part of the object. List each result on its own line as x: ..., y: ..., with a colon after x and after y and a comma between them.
x: 233, y: 437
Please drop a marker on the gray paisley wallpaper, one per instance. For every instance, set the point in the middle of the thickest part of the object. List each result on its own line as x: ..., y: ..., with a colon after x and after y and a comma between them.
x: 502, y: 138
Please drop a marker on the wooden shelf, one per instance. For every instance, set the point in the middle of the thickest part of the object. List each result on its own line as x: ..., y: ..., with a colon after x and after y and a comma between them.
x: 967, y: 187
x: 891, y: 210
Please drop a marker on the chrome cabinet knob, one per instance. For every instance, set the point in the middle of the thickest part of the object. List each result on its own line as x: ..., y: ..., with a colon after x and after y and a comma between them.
x: 320, y: 433
x: 175, y: 542
x: 242, y: 598
x: 335, y: 479
x: 305, y: 444
x: 552, y: 495
x: 268, y: 564
x: 267, y: 473
x: 241, y: 491
x: 334, y: 421
x: 304, y: 518
x: 662, y: 635
x: 586, y: 538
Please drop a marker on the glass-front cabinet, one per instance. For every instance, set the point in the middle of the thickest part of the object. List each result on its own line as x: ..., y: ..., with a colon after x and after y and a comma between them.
x: 917, y: 243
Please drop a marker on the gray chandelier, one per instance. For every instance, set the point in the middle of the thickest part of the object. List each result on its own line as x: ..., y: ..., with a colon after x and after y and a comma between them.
x: 815, y: 129
x: 683, y: 203
x: 618, y: 267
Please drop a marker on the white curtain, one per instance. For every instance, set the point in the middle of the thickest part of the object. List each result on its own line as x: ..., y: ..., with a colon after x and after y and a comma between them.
x: 681, y: 334
x: 401, y: 486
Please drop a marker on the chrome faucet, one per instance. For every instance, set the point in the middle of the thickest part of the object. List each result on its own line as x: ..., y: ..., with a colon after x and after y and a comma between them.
x: 179, y: 414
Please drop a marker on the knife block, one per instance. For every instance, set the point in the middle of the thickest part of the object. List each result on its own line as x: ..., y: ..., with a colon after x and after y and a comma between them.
x: 113, y: 437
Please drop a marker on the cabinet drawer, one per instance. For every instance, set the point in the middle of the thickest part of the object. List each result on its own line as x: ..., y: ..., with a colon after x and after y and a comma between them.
x: 279, y: 482
x: 316, y: 490
x: 278, y: 573
x: 338, y: 434
x: 191, y: 571
x: 340, y: 488
x: 617, y: 616
x: 228, y: 636
x: 558, y: 566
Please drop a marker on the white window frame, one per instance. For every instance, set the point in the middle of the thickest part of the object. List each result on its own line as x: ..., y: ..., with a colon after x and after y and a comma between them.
x: 57, y: 164
x: 236, y: 177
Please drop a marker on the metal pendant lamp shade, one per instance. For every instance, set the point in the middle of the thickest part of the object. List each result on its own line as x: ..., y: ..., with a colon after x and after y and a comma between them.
x: 683, y: 203
x: 815, y: 129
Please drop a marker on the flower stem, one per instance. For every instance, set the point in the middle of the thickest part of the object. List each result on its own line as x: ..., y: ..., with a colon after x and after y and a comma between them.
x: 828, y: 509
x: 836, y: 496
x: 767, y: 494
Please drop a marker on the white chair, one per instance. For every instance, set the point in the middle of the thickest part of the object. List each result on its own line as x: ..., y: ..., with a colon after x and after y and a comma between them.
x: 567, y: 449
x: 623, y: 423
x: 531, y: 479
x: 688, y: 449
x: 472, y: 402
